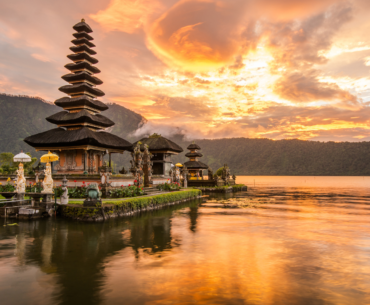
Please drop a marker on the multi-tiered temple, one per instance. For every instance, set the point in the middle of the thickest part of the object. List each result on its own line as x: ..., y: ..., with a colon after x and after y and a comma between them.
x: 80, y: 139
x: 194, y: 166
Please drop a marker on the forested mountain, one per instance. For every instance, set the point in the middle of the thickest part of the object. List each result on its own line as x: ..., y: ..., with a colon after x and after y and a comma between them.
x: 22, y: 116
x: 285, y: 157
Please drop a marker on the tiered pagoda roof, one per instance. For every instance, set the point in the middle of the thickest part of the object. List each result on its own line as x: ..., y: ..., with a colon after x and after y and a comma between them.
x: 158, y: 143
x: 80, y: 122
x: 193, y: 155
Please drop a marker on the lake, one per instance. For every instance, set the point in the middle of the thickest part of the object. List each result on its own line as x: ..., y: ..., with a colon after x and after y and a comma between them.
x: 288, y: 240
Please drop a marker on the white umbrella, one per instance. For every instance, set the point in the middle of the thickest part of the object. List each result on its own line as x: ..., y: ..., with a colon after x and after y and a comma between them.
x: 22, y: 157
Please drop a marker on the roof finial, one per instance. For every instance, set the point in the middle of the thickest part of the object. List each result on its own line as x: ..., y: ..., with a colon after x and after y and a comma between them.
x: 82, y: 20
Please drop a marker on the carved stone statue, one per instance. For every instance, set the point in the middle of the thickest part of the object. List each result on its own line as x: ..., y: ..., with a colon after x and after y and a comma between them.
x: 137, y: 165
x: 21, y: 181
x: 104, y: 175
x: 234, y: 177
x: 48, y: 180
x: 92, y: 191
x: 185, y: 174
x: 64, y: 198
x: 210, y: 173
x: 227, y: 172
x: 223, y: 175
x: 147, y: 166
x: 93, y: 195
x: 177, y: 175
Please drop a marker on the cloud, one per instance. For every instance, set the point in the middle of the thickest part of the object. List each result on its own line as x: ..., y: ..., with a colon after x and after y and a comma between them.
x: 209, y: 68
x: 300, y: 87
x: 126, y: 16
x: 196, y: 35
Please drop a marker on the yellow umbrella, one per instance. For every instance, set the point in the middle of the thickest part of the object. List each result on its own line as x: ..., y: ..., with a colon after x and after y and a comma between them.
x: 49, y: 157
x: 179, y: 165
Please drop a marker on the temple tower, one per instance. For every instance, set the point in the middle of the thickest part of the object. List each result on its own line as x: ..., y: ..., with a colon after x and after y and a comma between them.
x: 194, y: 166
x: 80, y: 139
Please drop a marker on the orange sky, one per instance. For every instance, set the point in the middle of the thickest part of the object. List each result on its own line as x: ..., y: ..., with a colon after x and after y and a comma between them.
x: 208, y: 68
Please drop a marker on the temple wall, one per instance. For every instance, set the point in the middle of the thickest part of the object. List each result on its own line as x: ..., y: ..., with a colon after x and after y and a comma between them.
x: 79, y: 157
x: 62, y: 158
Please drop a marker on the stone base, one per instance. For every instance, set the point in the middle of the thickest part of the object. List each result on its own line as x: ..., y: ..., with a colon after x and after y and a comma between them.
x: 48, y: 197
x: 92, y: 202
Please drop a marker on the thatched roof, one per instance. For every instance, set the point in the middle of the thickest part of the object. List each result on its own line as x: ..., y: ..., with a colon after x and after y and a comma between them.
x: 193, y: 146
x: 193, y: 155
x: 82, y: 27
x: 84, y: 100
x: 196, y: 165
x: 82, y: 48
x: 82, y: 76
x: 159, y: 144
x: 83, y: 116
x: 60, y: 137
x: 82, y: 65
x: 77, y: 42
x: 82, y: 87
x: 82, y: 56
x: 82, y: 35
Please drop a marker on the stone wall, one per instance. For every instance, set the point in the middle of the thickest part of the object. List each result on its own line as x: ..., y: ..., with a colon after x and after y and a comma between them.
x: 126, y: 207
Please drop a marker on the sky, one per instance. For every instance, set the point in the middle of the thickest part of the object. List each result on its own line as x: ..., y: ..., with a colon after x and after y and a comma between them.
x: 273, y: 69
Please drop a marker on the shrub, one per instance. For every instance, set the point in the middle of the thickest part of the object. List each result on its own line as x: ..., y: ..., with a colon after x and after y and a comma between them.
x: 129, y: 191
x: 219, y: 171
x: 8, y: 187
x: 175, y: 186
x: 156, y: 199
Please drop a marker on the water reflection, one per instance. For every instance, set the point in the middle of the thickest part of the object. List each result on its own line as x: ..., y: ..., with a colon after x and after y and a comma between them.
x: 76, y: 252
x: 308, y: 245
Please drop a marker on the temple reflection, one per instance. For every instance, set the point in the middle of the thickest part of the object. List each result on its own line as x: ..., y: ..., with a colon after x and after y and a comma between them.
x: 76, y: 252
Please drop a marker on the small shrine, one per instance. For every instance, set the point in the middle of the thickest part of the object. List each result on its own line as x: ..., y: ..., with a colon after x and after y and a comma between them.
x: 79, y: 139
x: 194, y: 166
x: 161, y: 150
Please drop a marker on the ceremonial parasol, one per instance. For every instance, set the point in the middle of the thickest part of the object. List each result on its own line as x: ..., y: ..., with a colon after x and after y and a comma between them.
x: 179, y: 165
x: 49, y: 157
x: 22, y: 157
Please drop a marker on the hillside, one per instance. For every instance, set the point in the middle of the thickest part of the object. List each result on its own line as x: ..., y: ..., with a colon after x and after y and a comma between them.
x: 22, y: 116
x: 285, y: 157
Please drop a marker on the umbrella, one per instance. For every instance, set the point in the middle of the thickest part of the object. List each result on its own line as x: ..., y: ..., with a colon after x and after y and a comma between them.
x: 49, y: 157
x: 22, y: 157
x: 179, y: 165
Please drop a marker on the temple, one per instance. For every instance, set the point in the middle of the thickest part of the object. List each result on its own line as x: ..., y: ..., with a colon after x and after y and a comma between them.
x: 80, y: 139
x: 161, y: 150
x: 194, y: 166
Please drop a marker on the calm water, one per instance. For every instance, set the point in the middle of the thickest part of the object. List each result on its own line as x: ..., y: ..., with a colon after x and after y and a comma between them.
x: 299, y: 240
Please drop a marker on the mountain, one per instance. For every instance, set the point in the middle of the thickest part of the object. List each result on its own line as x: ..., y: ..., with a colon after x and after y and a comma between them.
x: 284, y: 157
x: 22, y: 116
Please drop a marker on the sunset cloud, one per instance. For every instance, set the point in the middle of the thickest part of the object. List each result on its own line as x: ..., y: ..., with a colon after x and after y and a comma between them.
x: 206, y: 68
x: 197, y: 35
x: 127, y: 16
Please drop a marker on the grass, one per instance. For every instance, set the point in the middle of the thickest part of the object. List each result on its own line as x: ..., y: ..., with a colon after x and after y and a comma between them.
x: 144, y: 201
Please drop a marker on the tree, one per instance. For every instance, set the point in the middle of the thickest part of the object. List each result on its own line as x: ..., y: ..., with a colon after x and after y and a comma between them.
x: 8, y: 166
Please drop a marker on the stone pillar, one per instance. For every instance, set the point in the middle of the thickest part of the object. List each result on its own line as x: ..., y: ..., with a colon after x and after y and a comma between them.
x: 110, y: 161
x: 20, y: 196
x: 91, y: 162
